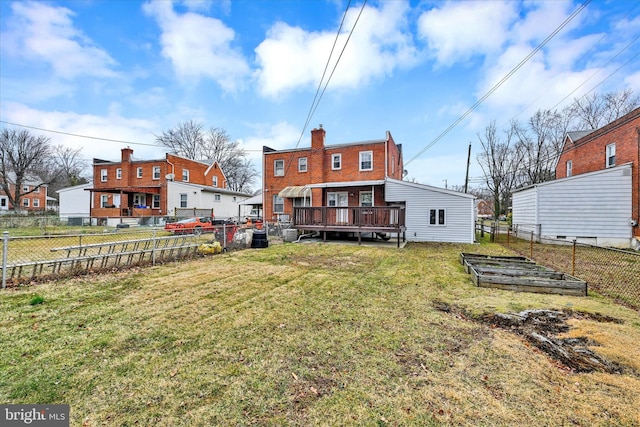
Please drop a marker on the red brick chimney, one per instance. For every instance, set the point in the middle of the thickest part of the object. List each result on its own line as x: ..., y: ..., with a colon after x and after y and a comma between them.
x: 126, y: 155
x: 317, y: 138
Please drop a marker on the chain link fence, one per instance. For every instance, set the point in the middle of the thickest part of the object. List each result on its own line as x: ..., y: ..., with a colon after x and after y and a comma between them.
x: 612, y: 272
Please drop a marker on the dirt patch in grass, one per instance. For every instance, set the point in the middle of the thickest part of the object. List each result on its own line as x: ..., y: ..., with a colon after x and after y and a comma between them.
x: 542, y: 327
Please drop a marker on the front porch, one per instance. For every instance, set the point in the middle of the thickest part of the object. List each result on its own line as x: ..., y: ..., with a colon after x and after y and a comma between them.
x: 351, y: 219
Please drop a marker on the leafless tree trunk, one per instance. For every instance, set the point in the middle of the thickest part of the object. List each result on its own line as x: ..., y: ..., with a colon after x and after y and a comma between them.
x: 21, y: 156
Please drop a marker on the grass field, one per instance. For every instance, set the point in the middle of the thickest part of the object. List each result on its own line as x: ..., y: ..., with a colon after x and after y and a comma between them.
x: 307, y: 334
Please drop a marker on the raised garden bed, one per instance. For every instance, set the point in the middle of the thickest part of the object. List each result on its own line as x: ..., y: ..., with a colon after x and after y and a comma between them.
x: 520, y: 274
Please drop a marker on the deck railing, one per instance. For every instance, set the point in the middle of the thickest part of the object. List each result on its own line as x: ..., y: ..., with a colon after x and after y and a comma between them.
x: 364, y: 217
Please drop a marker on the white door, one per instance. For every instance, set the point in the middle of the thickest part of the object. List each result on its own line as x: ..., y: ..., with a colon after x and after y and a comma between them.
x: 339, y: 199
x: 116, y: 200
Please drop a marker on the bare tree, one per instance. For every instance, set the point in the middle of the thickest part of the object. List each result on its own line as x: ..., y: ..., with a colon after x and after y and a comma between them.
x: 189, y: 140
x: 499, y: 161
x: 598, y: 109
x: 65, y: 168
x: 22, y: 155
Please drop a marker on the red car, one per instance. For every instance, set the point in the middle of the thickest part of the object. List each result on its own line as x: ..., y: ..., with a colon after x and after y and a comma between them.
x: 193, y: 225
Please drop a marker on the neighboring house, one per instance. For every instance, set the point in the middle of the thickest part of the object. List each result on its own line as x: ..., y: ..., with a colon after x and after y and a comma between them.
x: 434, y: 214
x: 146, y: 188
x: 339, y: 175
x: 33, y: 200
x: 593, y: 208
x: 484, y: 209
x: 616, y: 143
x: 75, y: 203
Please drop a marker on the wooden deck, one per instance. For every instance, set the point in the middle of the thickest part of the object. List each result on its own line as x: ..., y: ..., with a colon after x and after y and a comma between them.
x: 351, y: 219
x: 520, y: 274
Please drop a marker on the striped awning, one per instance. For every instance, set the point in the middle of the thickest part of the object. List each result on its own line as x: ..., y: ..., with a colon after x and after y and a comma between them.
x: 294, y: 192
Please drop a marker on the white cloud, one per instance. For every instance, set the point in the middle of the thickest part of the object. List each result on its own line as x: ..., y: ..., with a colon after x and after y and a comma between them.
x: 39, y: 32
x: 291, y: 57
x: 113, y: 126
x: 457, y: 31
x: 198, y: 46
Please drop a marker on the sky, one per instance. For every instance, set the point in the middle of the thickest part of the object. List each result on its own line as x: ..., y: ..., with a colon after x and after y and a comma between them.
x: 101, y: 75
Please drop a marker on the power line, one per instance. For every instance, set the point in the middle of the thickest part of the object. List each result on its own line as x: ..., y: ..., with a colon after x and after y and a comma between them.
x: 504, y: 79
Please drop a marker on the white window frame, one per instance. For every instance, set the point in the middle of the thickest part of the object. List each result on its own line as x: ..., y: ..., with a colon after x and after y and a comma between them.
x: 278, y: 201
x: 361, y: 160
x: 156, y: 172
x: 435, y: 220
x: 278, y: 167
x: 336, y: 158
x: 103, y: 175
x: 185, y: 175
x: 25, y: 202
x: 155, y: 203
x: 119, y: 173
x: 104, y: 200
x: 25, y: 188
x: 36, y: 190
x: 184, y: 200
x: 366, y: 193
x: 569, y: 168
x: 610, y: 155
x: 302, y: 164
x: 36, y: 203
x: 216, y: 197
x: 215, y: 181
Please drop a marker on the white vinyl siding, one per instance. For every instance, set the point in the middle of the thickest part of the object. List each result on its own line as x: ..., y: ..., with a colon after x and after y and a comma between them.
x: 459, y: 211
x: 592, y: 205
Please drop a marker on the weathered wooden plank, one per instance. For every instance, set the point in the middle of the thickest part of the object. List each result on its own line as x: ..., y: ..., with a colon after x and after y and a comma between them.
x: 536, y: 289
x: 514, y: 272
x: 530, y: 281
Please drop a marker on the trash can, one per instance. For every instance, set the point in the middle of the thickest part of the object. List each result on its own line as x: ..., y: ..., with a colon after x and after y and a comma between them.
x: 259, y: 239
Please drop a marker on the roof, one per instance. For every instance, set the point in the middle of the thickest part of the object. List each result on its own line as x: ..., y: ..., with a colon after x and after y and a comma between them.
x: 431, y: 188
x: 345, y: 184
x: 254, y: 200
x: 26, y: 180
x: 577, y: 134
x: 294, y: 192
x: 578, y: 176
x: 75, y: 187
x: 268, y: 150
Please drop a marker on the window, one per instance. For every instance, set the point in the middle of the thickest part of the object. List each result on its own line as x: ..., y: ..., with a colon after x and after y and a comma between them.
x: 118, y: 173
x: 278, y: 168
x: 103, y: 175
x: 139, y: 199
x: 437, y: 217
x: 366, y: 198
x: 156, y: 201
x: 139, y: 172
x: 36, y: 203
x: 25, y: 188
x: 156, y: 172
x: 278, y: 204
x: 183, y: 200
x: 185, y: 175
x: 36, y: 190
x: 104, y: 201
x: 366, y: 160
x: 216, y: 197
x: 336, y: 161
x: 611, y: 155
x: 302, y: 164
x: 569, y: 167
x: 25, y: 203
x: 215, y: 181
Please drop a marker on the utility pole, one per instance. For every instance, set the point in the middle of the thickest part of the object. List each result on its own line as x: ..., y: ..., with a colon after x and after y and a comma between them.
x: 466, y: 179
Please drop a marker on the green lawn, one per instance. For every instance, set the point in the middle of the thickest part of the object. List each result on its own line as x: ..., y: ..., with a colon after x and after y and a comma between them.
x: 306, y: 334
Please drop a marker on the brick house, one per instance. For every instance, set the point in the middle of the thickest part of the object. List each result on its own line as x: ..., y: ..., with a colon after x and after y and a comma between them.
x: 144, y: 188
x: 339, y: 175
x: 613, y: 145
x: 34, y: 198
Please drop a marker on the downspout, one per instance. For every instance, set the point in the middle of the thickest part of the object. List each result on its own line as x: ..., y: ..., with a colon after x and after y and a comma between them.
x: 386, y: 156
x: 638, y: 188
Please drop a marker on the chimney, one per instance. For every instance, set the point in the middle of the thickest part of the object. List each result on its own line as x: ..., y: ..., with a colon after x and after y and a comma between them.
x: 317, y: 138
x: 126, y: 155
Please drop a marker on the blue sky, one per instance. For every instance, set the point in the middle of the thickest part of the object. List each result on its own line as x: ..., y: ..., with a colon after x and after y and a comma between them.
x: 127, y: 70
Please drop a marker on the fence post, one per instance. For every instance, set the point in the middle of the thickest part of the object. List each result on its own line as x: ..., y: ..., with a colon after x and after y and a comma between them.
x: 79, y: 244
x: 508, y: 236
x: 153, y: 250
x: 573, y: 259
x: 5, y: 250
x: 482, y: 227
x: 531, y: 246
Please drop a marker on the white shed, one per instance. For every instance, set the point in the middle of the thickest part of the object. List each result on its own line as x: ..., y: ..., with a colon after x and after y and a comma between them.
x: 433, y: 214
x: 592, y: 208
x: 74, y: 202
x: 225, y: 203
